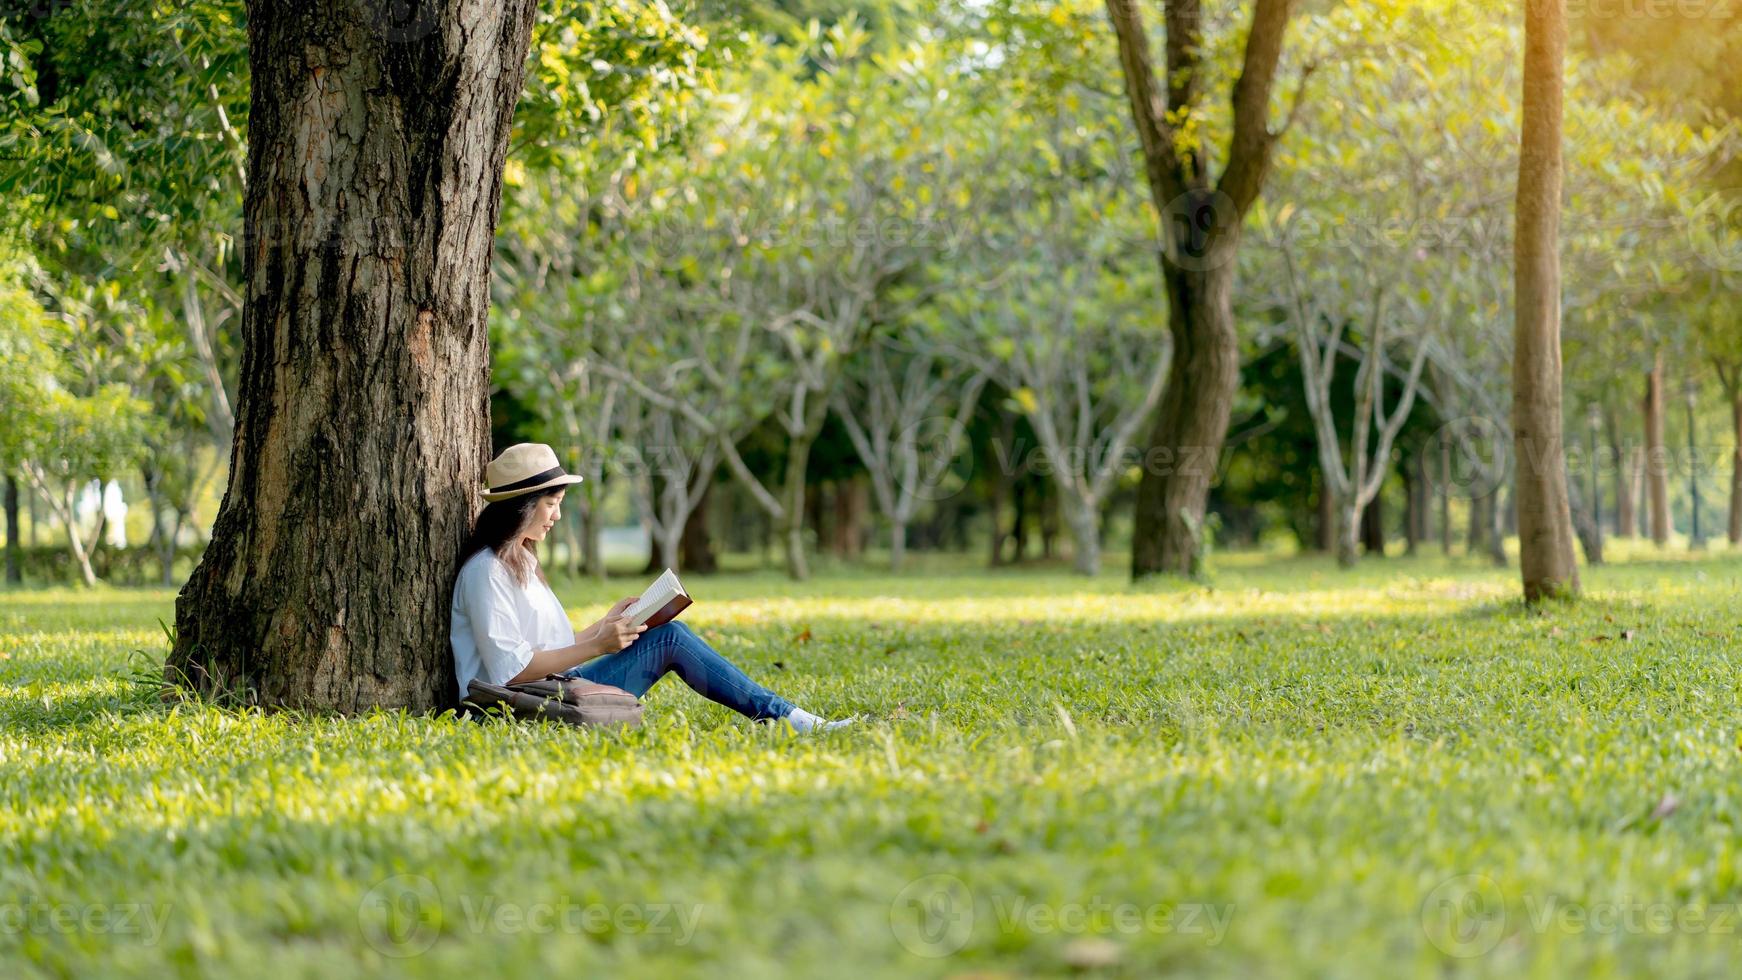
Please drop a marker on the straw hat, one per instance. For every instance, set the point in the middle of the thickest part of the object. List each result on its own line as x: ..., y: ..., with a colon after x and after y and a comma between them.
x: 524, y: 468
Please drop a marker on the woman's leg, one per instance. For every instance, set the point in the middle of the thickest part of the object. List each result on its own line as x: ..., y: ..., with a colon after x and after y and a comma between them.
x: 676, y: 648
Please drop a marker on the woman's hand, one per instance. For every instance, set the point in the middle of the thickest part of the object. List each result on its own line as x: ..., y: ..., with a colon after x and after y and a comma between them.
x: 617, y: 632
x: 623, y: 604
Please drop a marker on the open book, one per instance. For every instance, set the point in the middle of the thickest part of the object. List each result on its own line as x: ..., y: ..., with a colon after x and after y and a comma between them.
x: 660, y: 602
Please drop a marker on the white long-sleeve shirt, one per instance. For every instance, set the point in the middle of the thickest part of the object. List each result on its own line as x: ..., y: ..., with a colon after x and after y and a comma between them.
x: 497, y: 623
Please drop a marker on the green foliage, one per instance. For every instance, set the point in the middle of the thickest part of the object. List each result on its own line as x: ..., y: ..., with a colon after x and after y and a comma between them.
x: 1322, y: 752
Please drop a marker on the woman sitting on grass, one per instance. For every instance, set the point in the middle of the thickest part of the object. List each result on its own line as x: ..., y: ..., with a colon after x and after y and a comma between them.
x: 509, y: 627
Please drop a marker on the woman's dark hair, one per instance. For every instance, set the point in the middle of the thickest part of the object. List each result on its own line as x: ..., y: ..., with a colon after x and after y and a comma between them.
x: 498, y: 529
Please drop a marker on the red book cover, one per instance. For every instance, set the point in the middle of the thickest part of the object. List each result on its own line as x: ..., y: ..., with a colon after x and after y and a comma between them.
x: 669, y: 611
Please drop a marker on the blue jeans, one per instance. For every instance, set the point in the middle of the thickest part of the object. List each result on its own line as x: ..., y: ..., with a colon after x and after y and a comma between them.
x: 675, y: 648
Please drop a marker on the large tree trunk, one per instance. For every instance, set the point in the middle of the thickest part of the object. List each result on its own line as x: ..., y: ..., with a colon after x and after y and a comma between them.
x: 1200, y: 221
x: 1656, y: 455
x: 14, y: 568
x: 1545, y: 524
x: 1186, y: 444
x: 362, y: 419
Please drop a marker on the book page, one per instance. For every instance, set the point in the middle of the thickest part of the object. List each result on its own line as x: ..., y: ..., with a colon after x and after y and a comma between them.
x: 654, y: 598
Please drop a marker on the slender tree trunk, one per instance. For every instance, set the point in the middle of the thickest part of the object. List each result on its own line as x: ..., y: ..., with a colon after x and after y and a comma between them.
x: 35, y: 520
x: 1327, y: 529
x: 1626, y: 473
x: 1373, y: 527
x: 1049, y: 524
x: 1415, y: 505
x: 798, y: 451
x: 1000, y: 491
x: 666, y: 542
x: 1348, y: 525
x: 362, y: 416
x: 1585, y: 523
x: 573, y: 533
x: 1736, y: 467
x: 168, y: 546
x: 1082, y: 519
x: 1656, y: 455
x: 1545, y: 525
x: 76, y: 538
x: 1496, y: 538
x: 14, y: 566
x: 593, y: 545
x: 696, y: 549
x: 1481, y: 523
x: 1445, y: 491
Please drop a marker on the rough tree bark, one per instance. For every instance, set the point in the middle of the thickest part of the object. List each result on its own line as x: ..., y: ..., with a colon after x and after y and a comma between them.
x: 1545, y: 524
x: 696, y: 547
x: 376, y: 146
x: 1200, y: 219
x: 14, y: 570
x: 1736, y: 469
x: 1730, y: 376
x: 1373, y: 527
x: 1656, y: 455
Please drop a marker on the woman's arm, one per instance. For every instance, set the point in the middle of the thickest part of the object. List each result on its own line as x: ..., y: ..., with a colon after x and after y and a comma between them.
x: 608, y: 635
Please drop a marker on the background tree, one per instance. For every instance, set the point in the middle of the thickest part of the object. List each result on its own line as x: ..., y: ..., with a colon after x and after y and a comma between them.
x: 1545, y: 527
x: 1200, y: 215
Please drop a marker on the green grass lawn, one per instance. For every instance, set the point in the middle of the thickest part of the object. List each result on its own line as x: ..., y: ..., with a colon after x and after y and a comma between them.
x: 1293, y: 771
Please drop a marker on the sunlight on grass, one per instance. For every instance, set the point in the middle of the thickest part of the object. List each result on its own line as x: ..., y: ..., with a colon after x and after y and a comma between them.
x: 1287, y: 769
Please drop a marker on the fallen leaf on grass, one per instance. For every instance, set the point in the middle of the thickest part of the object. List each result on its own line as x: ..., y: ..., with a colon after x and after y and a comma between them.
x: 1666, y: 806
x: 1092, y: 953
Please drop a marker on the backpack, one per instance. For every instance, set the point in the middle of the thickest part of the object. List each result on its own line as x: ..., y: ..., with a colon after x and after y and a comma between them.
x: 558, y: 698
